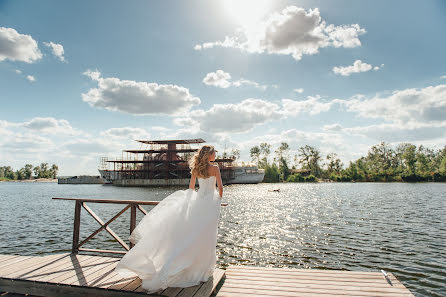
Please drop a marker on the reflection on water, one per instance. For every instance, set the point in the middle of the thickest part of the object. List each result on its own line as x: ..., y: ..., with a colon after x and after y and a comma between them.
x: 397, y: 227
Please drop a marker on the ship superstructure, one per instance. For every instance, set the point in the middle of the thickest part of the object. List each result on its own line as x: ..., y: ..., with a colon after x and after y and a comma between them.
x: 165, y: 163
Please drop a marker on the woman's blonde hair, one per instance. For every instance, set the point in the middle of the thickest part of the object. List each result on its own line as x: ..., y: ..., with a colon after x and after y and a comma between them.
x: 199, y: 162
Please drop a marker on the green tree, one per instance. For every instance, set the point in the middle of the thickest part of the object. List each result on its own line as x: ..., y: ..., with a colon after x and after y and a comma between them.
x: 272, y: 174
x: 309, y: 158
x: 254, y: 152
x: 37, y: 172
x: 409, y: 159
x: 442, y: 168
x: 265, y: 151
x: 334, y: 164
x: 282, y: 152
x: 53, y: 171
x: 28, y: 171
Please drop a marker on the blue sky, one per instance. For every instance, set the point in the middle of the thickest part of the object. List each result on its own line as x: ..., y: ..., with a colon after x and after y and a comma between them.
x: 338, y: 75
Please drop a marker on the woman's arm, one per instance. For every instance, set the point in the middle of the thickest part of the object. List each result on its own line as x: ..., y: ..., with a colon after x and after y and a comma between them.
x: 219, y: 182
x: 192, y: 181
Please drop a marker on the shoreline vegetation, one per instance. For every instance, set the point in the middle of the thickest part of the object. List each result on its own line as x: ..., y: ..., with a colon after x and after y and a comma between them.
x: 30, y: 173
x: 383, y: 163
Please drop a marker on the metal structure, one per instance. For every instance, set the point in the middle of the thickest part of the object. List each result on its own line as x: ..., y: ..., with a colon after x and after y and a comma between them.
x: 158, y: 162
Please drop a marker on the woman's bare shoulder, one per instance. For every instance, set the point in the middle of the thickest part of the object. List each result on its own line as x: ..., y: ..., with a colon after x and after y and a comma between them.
x: 213, y: 169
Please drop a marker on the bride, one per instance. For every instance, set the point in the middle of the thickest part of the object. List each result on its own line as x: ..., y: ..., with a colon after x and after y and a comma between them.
x: 175, y: 243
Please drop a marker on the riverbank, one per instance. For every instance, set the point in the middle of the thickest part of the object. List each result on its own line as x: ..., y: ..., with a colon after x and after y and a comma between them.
x: 36, y: 180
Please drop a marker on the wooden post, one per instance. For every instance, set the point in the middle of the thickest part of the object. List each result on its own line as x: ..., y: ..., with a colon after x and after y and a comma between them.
x: 132, y: 220
x: 76, y: 229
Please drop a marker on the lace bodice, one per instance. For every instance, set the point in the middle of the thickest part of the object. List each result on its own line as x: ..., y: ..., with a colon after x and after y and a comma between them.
x: 207, y: 184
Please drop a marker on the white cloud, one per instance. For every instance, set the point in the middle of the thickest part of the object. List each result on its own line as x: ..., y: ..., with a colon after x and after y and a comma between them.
x: 18, y: 47
x: 18, y: 71
x: 222, y: 79
x: 218, y: 78
x: 26, y: 143
x: 247, y: 82
x: 357, y: 67
x: 50, y: 125
x: 139, y: 98
x: 93, y: 146
x: 57, y: 49
x: 159, y: 128
x: 299, y: 90
x: 127, y: 132
x: 426, y: 105
x: 30, y: 78
x: 293, y: 31
x: 312, y: 105
x: 236, y: 118
x: 394, y: 133
x: 444, y: 76
x: 333, y: 127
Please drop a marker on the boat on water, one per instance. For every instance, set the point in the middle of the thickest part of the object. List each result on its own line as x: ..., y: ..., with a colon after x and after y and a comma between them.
x: 165, y: 163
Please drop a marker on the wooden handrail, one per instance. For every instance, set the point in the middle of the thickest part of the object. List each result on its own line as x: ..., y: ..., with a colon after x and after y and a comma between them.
x: 81, y: 203
x: 139, y: 202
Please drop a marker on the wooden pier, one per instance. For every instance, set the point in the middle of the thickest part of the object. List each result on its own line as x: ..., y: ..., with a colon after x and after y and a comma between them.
x: 74, y: 275
x: 251, y: 281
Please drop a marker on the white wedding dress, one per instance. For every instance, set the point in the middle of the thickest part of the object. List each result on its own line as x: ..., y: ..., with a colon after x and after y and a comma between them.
x: 176, y: 241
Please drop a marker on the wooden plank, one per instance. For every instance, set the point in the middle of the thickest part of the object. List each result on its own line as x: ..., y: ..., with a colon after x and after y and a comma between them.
x: 356, y: 278
x: 111, y: 279
x: 269, y: 291
x: 101, y: 278
x: 6, y: 258
x: 110, y: 201
x: 132, y: 222
x: 172, y: 291
x: 103, y: 251
x: 93, y: 275
x: 141, y: 289
x: 54, y: 290
x: 240, y: 294
x: 76, y: 227
x: 189, y: 291
x: 72, y: 268
x: 30, y: 264
x: 377, y: 284
x: 133, y: 285
x: 140, y: 202
x: 207, y: 288
x: 12, y: 260
x: 352, y: 289
x: 294, y: 270
x: 121, y: 283
x: 80, y: 279
x: 48, y: 271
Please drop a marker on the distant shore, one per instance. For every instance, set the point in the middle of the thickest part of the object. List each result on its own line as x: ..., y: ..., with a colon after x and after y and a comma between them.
x: 36, y: 180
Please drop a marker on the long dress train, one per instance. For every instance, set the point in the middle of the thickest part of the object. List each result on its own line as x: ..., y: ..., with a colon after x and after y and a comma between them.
x: 175, y: 243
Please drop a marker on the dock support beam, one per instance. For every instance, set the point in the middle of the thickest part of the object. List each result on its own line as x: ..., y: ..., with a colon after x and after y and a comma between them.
x: 132, y: 221
x: 76, y: 229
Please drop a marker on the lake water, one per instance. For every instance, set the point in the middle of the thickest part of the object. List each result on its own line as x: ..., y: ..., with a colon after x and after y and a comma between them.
x: 398, y: 227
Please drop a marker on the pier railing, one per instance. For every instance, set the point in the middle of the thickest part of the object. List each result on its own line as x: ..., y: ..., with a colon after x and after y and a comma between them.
x: 80, y: 203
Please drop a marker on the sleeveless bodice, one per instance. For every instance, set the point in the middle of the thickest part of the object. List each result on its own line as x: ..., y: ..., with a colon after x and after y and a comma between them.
x: 207, y: 185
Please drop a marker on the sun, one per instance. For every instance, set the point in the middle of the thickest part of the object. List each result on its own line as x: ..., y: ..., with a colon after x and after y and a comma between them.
x: 246, y: 12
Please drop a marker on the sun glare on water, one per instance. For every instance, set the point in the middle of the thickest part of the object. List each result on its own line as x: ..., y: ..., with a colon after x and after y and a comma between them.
x: 246, y: 12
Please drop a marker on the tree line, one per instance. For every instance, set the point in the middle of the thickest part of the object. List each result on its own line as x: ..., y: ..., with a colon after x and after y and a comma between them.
x: 29, y: 172
x: 405, y: 162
